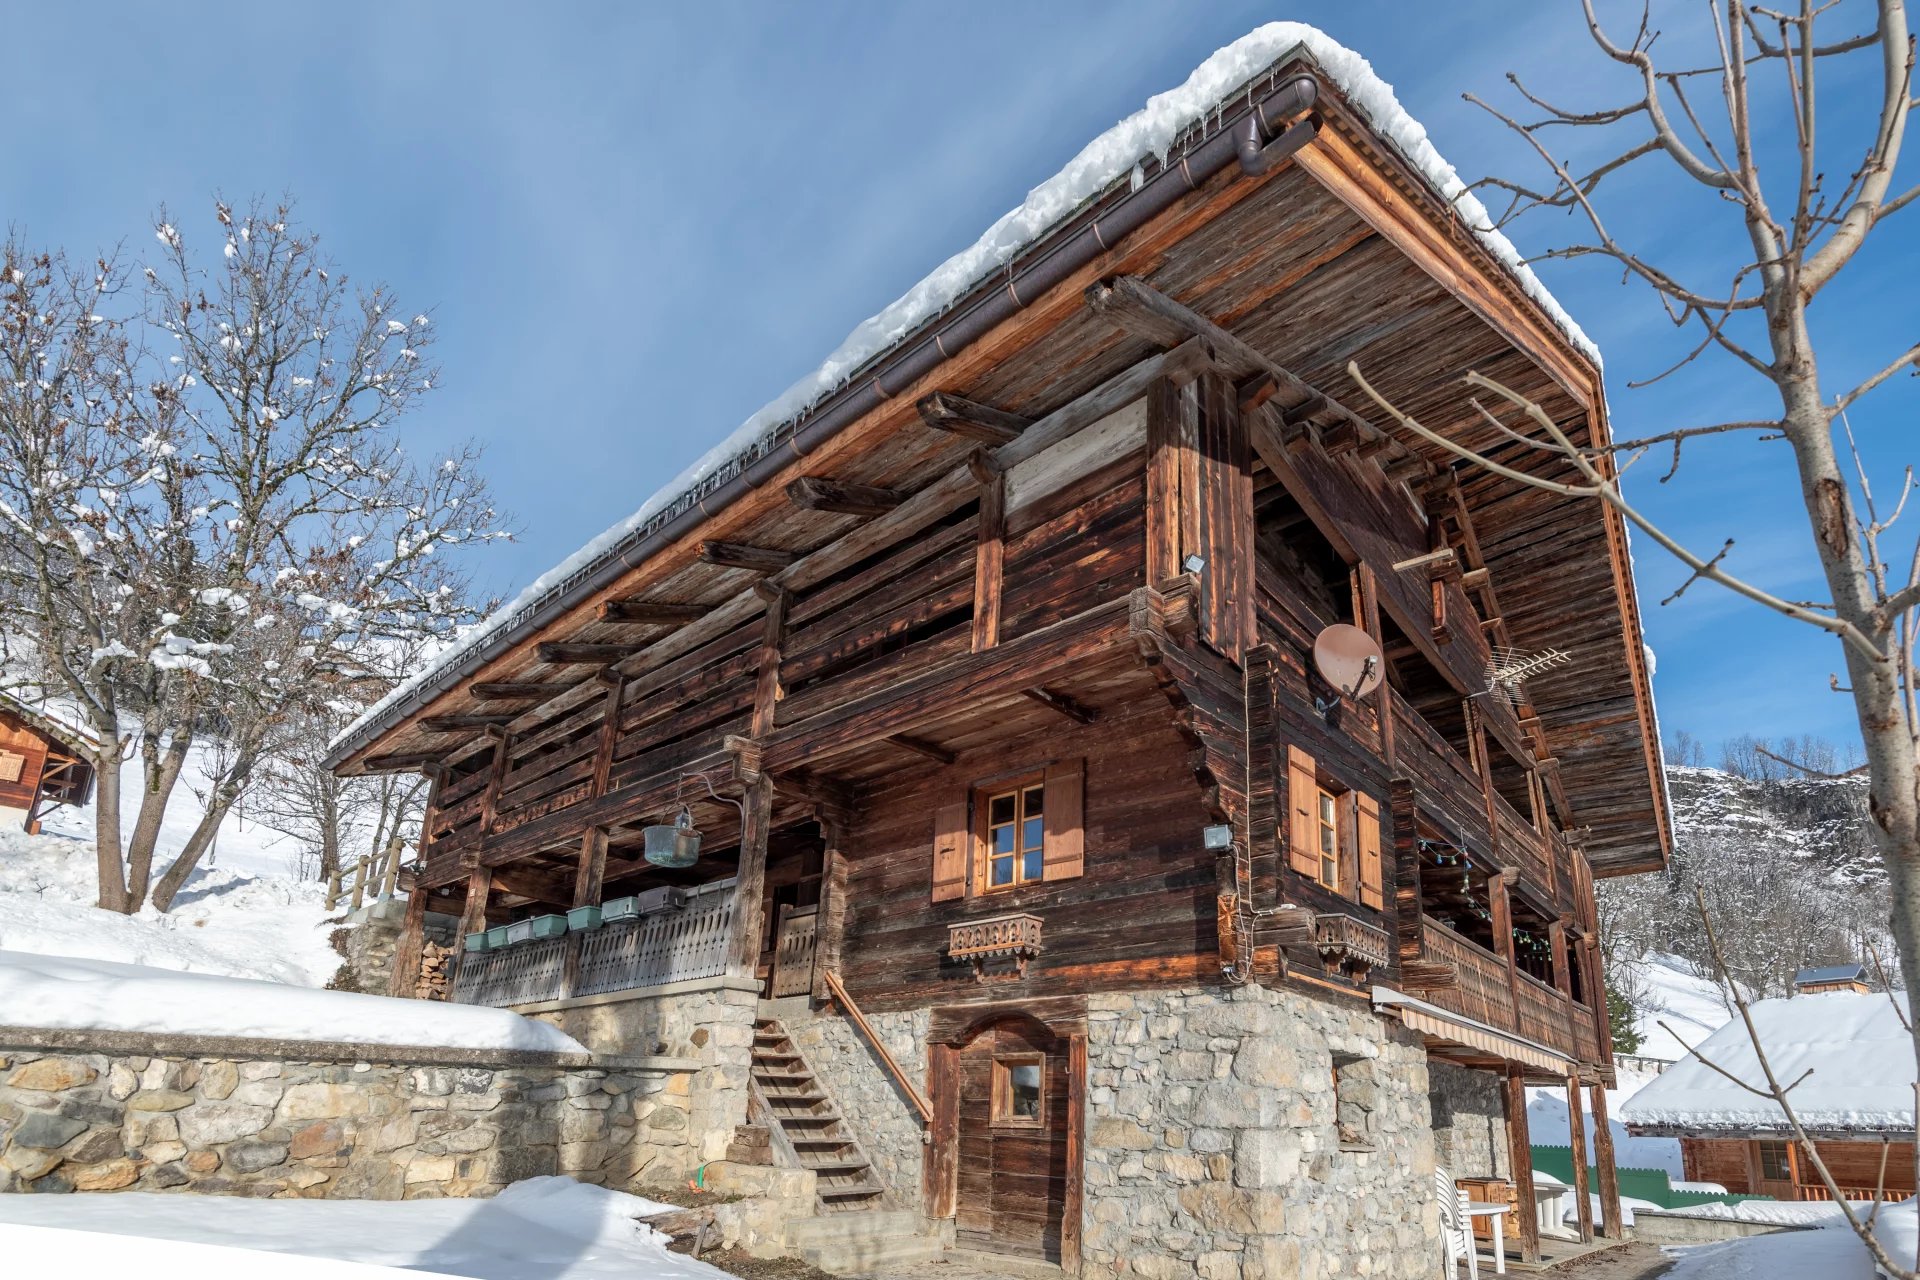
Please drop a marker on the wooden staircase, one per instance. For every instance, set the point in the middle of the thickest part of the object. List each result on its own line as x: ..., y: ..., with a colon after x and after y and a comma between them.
x: 806, y: 1126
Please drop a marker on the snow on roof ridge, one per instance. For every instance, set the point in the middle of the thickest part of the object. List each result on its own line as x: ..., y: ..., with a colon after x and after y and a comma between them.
x: 1104, y: 160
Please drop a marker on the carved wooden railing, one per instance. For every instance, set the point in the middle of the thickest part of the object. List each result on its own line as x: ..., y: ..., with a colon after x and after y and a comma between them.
x: 668, y: 946
x: 859, y: 1019
x: 1480, y: 988
x: 1347, y: 940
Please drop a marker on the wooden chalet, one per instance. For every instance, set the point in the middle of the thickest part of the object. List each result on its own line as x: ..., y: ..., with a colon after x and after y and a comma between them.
x: 43, y: 763
x: 1847, y: 1051
x: 988, y: 684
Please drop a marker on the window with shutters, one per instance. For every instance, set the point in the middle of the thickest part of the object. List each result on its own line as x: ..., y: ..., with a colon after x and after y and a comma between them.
x: 1333, y: 833
x: 1327, y: 837
x: 1011, y: 831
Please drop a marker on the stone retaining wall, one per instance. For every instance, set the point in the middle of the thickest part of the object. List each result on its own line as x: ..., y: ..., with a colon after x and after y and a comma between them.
x: 708, y: 1022
x: 1255, y: 1133
x: 96, y: 1115
x: 879, y: 1115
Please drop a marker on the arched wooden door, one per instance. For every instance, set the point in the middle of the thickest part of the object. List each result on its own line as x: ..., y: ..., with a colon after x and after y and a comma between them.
x: 1014, y: 1106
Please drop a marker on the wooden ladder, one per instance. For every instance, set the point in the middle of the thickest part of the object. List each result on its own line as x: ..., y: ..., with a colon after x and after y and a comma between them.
x: 805, y: 1124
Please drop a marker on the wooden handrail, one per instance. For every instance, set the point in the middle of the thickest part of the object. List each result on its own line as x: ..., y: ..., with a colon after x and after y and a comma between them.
x: 845, y: 1001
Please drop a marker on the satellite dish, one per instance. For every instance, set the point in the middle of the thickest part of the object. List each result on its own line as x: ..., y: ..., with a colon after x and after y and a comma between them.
x: 1348, y: 659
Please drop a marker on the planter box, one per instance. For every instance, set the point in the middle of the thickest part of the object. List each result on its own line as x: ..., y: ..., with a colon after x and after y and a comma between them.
x: 582, y: 918
x: 665, y: 898
x: 519, y: 931
x: 477, y: 941
x: 619, y: 909
x: 547, y: 926
x: 496, y: 937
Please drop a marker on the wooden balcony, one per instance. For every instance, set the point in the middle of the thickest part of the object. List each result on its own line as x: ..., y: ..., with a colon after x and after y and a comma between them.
x: 1525, y: 1006
x: 1011, y: 938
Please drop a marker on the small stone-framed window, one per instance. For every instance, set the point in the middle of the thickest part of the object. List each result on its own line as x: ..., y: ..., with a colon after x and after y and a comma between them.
x: 1356, y: 1092
x: 1019, y: 1091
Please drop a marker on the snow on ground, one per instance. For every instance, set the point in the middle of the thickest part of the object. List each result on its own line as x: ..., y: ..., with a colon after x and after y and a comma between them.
x: 1149, y: 131
x: 243, y: 913
x: 1693, y: 1006
x: 1547, y: 1126
x: 541, y: 1229
x: 1832, y: 1252
x: 50, y: 1251
x: 56, y: 991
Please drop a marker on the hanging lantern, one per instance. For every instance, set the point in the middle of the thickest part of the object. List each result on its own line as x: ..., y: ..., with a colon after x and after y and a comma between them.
x: 673, y: 846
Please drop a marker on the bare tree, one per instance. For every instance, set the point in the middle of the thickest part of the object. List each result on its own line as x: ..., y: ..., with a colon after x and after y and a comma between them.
x: 207, y: 514
x: 1791, y: 240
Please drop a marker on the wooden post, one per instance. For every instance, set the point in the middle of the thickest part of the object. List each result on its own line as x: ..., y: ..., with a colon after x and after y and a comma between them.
x: 767, y: 692
x: 479, y: 889
x: 405, y: 977
x: 588, y: 880
x: 1610, y: 1215
x: 832, y: 920
x: 333, y: 889
x: 1520, y: 1161
x: 360, y: 881
x: 1172, y: 424
x: 942, y: 1167
x: 1075, y: 1197
x: 391, y: 872
x: 749, y: 892
x: 989, y: 552
x: 1577, y: 1125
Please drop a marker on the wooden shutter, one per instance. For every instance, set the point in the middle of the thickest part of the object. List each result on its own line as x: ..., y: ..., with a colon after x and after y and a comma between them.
x: 13, y: 766
x: 1368, y: 829
x: 1303, y: 826
x: 950, y: 841
x: 1065, y: 844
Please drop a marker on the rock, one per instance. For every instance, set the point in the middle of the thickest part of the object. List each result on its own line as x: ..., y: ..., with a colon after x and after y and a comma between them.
x: 202, y: 1161
x: 121, y: 1082
x: 101, y: 1144
x: 166, y: 1176
x: 45, y: 1132
x: 30, y: 1164
x: 163, y: 1152
x: 218, y: 1080
x: 143, y: 1127
x: 430, y: 1169
x: 252, y: 1157
x: 321, y: 1138
x: 159, y: 1100
x: 209, y: 1123
x: 317, y: 1100
x: 52, y: 1075
x: 668, y: 1118
x: 111, y: 1176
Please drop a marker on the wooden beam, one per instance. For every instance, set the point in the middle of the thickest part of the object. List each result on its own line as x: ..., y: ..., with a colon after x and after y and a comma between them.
x: 508, y: 690
x: 989, y: 557
x: 819, y: 493
x: 750, y: 885
x: 830, y: 925
x: 554, y: 888
x: 1610, y: 1218
x: 461, y: 724
x: 739, y: 555
x: 767, y: 690
x: 566, y: 653
x: 404, y: 762
x: 944, y: 411
x: 1124, y: 310
x: 405, y: 974
x: 1577, y: 1135
x: 1063, y: 704
x: 651, y: 611
x: 921, y: 747
x: 589, y: 877
x: 1520, y: 1159
x: 479, y: 888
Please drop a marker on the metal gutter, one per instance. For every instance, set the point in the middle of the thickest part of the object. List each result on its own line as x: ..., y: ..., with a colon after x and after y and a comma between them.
x: 1255, y: 139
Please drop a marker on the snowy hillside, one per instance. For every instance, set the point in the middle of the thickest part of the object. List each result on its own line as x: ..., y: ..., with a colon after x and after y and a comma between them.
x: 242, y: 914
x: 1815, y: 818
x: 1692, y: 1007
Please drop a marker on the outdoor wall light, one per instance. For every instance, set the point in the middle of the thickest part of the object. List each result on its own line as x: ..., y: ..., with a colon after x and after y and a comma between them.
x: 1218, y: 837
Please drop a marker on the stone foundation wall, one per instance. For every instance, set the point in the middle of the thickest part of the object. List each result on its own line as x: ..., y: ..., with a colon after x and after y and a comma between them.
x: 238, y: 1124
x: 708, y: 1022
x: 1255, y: 1133
x: 1469, y: 1122
x: 883, y: 1120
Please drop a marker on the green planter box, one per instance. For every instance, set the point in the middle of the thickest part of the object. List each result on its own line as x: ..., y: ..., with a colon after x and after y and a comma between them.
x: 582, y: 918
x: 497, y: 937
x: 546, y: 926
x: 619, y: 909
x: 477, y: 941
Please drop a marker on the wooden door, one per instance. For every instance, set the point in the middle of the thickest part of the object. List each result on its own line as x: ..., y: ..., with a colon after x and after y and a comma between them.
x: 1014, y: 1114
x: 1775, y: 1169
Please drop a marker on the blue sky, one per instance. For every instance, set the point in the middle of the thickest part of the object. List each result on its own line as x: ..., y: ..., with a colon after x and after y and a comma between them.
x: 635, y: 225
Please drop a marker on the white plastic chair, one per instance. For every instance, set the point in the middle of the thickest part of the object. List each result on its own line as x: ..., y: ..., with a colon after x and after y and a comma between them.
x: 1456, y: 1228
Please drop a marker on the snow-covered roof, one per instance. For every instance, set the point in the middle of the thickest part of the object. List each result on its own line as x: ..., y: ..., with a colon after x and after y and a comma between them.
x: 1855, y: 1054
x: 50, y: 719
x: 1108, y: 160
x: 1832, y: 973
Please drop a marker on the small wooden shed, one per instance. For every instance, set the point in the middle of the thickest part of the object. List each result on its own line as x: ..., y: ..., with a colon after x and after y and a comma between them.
x: 43, y: 763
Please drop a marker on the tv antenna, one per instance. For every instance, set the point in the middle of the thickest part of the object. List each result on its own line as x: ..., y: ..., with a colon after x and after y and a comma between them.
x: 1508, y: 669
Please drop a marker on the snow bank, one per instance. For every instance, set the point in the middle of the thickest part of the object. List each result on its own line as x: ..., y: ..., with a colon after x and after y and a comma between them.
x: 1102, y: 162
x: 1833, y: 1253
x: 1692, y: 1007
x: 237, y: 923
x: 541, y: 1229
x: 1856, y: 1057
x: 55, y: 992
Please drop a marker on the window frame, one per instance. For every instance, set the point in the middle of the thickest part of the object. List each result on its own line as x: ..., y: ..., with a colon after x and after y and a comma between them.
x: 1002, y: 1113
x: 984, y: 794
x: 1327, y: 801
x: 1762, y: 1148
